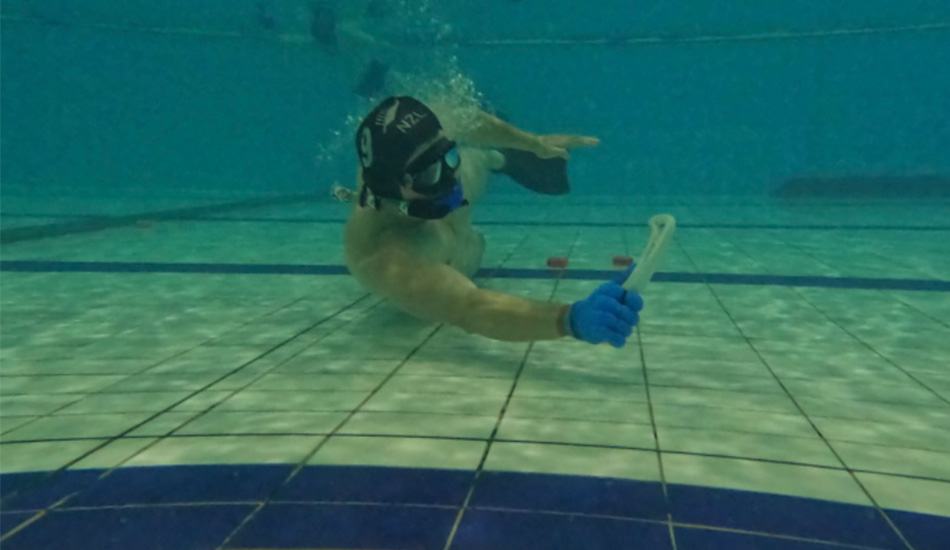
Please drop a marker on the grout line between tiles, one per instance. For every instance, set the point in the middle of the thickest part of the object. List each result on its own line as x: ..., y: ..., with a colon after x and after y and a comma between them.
x: 656, y: 442
x: 481, y: 463
x: 845, y: 466
x: 53, y: 474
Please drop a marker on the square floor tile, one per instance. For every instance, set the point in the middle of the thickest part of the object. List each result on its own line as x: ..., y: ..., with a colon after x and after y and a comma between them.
x: 434, y: 364
x: 124, y: 403
x: 762, y: 382
x: 164, y: 382
x: 47, y: 489
x: 304, y: 363
x: 380, y: 485
x: 908, y: 392
x: 476, y: 405
x: 163, y: 424
x: 923, y: 531
x: 896, y: 460
x: 217, y: 360
x: 577, y: 431
x: 114, y: 454
x: 722, y: 399
x: 890, y: 413
x: 448, y: 384
x: 807, y: 450
x: 184, y: 484
x: 401, y: 452
x: 658, y: 363
x: 570, y: 494
x: 561, y: 389
x: 570, y: 460
x: 73, y: 366
x: 56, y: 384
x: 227, y: 450
x: 51, y: 455
x: 14, y: 482
x: 285, y: 422
x: 800, y: 519
x: 341, y: 526
x: 324, y: 382
x: 709, y: 539
x: 632, y: 411
x: 202, y: 401
x: 531, y: 531
x: 10, y: 423
x: 580, y: 374
x: 883, y: 433
x: 140, y: 528
x: 78, y: 426
x: 11, y: 520
x: 732, y: 420
x: 912, y: 495
x: 29, y: 405
x: 438, y: 425
x: 288, y: 400
x: 765, y: 477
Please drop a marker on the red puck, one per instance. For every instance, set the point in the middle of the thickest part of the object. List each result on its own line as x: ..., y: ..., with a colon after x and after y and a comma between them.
x: 623, y: 261
x: 557, y: 263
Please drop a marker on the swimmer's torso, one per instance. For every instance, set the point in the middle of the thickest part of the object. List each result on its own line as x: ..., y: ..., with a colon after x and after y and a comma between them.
x: 450, y: 240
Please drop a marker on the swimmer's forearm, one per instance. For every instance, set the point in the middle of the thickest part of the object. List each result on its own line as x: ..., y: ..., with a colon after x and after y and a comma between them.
x: 513, y: 319
x: 492, y: 132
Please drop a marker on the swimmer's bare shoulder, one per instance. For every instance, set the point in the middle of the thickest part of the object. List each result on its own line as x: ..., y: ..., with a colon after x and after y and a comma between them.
x: 426, y: 289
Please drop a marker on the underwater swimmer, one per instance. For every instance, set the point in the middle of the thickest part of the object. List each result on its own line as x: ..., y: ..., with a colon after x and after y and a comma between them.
x: 410, y: 237
x: 342, y: 33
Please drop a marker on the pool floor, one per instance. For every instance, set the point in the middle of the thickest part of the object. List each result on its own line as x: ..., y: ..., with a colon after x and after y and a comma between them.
x: 220, y: 382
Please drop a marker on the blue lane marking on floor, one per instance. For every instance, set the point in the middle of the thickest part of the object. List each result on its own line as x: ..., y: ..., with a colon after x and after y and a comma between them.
x: 383, y: 507
x: 41, y: 266
x: 99, y: 223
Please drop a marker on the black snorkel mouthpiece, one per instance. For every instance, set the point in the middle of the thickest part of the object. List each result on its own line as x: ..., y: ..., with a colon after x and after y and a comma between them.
x: 435, y: 208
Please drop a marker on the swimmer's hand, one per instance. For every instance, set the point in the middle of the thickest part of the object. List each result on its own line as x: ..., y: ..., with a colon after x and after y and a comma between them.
x: 557, y: 145
x: 607, y: 315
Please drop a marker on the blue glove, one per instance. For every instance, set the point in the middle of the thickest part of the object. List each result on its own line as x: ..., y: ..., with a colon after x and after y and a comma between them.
x: 607, y: 315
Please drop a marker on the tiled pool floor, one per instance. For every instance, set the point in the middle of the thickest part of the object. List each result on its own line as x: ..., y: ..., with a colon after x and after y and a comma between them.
x: 739, y: 404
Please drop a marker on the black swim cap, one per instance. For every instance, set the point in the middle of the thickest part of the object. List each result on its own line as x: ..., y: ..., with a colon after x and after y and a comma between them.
x: 386, y: 139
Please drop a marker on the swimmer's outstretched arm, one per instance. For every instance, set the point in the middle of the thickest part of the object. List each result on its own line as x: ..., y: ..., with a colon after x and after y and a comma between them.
x: 491, y: 132
x: 437, y: 292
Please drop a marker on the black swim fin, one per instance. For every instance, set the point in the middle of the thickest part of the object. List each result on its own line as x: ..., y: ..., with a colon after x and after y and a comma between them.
x: 545, y: 176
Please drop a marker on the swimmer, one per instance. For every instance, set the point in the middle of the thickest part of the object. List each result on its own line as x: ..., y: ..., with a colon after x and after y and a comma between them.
x: 410, y: 238
x: 342, y: 34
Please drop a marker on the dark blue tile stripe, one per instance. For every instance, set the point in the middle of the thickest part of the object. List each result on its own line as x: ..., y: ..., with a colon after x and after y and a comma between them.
x: 41, y: 266
x: 782, y: 515
x: 347, y: 526
x: 500, y: 530
x: 184, y: 527
x: 377, y: 507
x: 706, y: 539
x: 11, y: 521
x: 923, y: 531
x: 99, y: 223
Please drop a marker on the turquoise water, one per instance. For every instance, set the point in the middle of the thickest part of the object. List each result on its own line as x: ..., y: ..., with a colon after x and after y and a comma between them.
x: 186, y: 363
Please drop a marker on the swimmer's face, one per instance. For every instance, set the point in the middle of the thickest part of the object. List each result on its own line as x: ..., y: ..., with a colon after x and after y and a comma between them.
x: 406, y: 185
